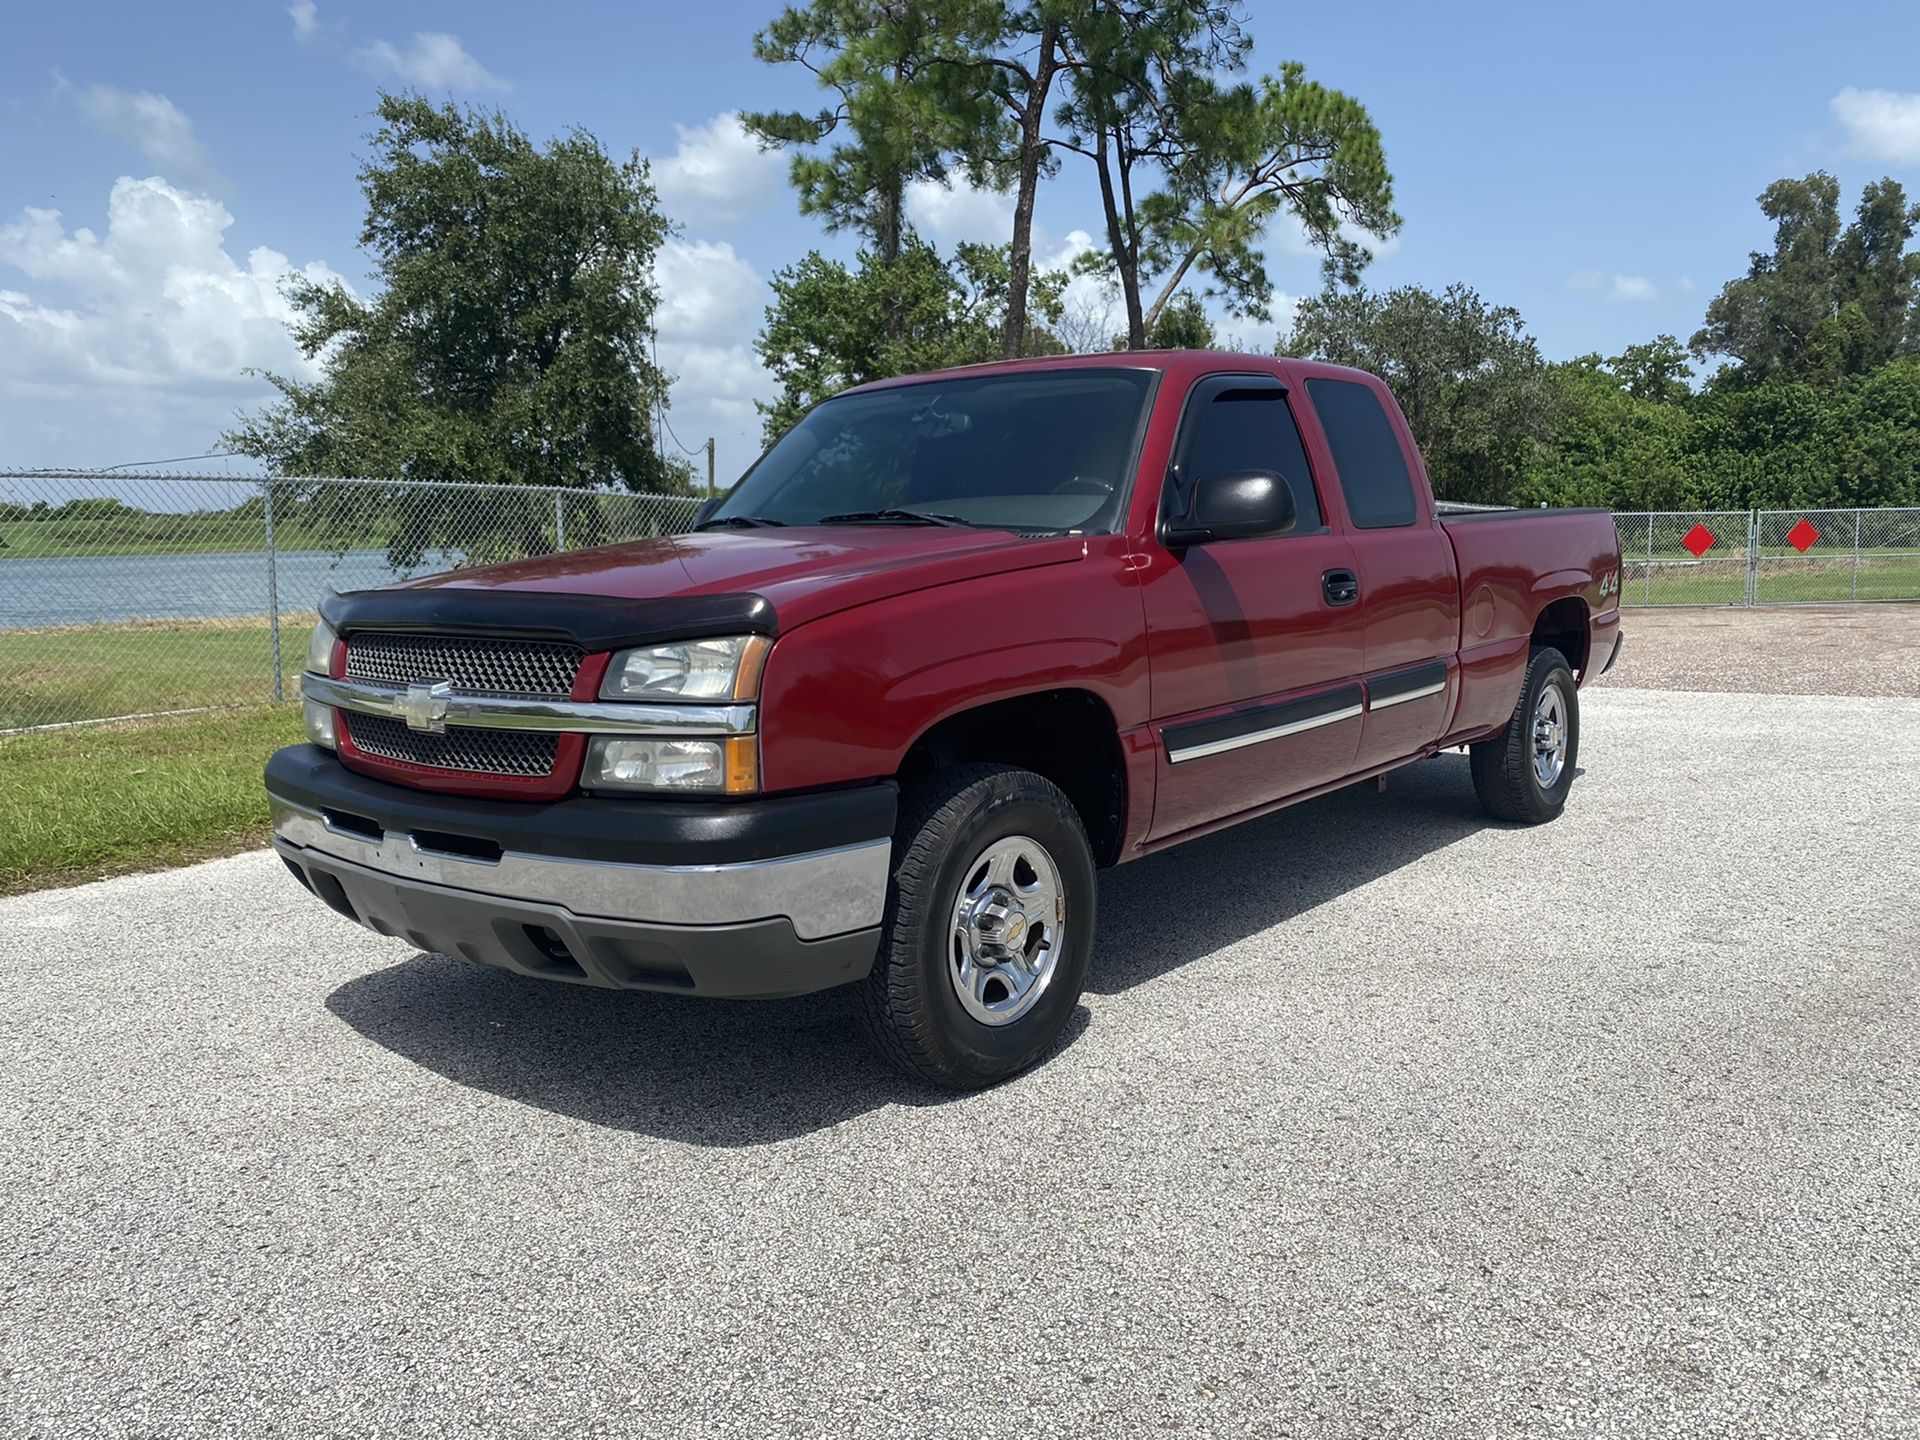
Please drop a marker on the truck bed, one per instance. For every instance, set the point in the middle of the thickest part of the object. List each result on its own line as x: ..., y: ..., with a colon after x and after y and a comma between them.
x: 1506, y: 559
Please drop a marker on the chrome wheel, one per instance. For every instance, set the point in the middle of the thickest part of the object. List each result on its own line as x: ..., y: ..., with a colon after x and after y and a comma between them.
x: 1008, y: 926
x: 1549, y: 737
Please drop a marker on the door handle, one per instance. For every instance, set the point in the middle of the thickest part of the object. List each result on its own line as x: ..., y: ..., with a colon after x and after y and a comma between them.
x: 1341, y: 587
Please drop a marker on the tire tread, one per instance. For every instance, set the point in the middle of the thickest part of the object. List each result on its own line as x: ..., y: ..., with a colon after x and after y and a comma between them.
x: 1502, y: 766
x: 895, y: 1011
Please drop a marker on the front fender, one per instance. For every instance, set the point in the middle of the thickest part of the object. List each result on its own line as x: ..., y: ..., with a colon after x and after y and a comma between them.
x: 846, y: 696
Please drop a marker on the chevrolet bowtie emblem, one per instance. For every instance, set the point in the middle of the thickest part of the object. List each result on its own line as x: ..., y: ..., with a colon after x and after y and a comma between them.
x: 424, y: 706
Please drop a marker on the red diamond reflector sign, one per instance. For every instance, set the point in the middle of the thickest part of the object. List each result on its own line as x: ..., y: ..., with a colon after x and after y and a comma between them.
x: 1699, y: 540
x: 1802, y: 536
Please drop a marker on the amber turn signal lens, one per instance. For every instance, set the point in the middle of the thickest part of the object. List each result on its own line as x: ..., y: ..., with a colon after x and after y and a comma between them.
x: 743, y: 764
x: 753, y: 658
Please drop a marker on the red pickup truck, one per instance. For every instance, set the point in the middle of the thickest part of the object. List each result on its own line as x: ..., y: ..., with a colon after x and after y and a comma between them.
x: 953, y: 644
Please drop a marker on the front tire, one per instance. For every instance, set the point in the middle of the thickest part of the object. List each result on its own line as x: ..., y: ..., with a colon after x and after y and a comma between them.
x: 988, y: 929
x: 1523, y: 774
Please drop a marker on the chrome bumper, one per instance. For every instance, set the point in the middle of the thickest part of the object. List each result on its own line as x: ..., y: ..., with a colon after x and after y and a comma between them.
x: 821, y: 893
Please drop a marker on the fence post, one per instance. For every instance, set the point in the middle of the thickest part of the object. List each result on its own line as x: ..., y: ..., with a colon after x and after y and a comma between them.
x: 1647, y: 589
x: 273, y: 596
x: 559, y: 519
x: 1753, y: 557
x: 1856, y: 554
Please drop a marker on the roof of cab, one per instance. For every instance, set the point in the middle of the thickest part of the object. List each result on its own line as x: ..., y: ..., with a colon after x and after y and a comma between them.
x: 1182, y: 363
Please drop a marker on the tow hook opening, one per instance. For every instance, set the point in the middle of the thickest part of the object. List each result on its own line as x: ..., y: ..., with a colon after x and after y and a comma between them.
x: 345, y: 822
x: 461, y: 847
x: 548, y: 942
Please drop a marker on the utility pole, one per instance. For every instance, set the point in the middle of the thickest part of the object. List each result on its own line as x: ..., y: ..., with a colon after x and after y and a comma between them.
x: 709, y: 467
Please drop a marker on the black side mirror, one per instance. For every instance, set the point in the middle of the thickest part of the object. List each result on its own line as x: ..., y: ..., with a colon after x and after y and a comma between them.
x: 1236, y: 506
x: 707, y: 507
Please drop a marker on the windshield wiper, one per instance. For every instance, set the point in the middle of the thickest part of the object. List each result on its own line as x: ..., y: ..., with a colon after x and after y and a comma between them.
x: 738, y: 522
x: 893, y: 517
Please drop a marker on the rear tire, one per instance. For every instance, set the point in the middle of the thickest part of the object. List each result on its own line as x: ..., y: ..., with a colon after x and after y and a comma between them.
x: 988, y: 928
x: 1523, y: 774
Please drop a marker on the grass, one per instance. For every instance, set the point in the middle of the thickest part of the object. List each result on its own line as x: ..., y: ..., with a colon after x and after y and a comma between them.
x: 112, y: 800
x: 160, y: 535
x: 99, y: 800
x: 96, y: 671
x: 1724, y: 582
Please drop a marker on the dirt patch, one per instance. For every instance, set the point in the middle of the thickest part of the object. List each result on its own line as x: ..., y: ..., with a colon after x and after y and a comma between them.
x: 1779, y: 650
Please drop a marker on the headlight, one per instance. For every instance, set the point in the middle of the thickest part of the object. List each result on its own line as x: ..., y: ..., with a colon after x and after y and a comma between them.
x: 320, y: 724
x: 726, y: 669
x: 320, y: 649
x: 729, y: 766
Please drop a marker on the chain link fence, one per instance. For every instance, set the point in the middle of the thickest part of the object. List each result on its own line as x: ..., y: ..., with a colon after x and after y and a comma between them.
x: 1768, y: 557
x: 139, y: 595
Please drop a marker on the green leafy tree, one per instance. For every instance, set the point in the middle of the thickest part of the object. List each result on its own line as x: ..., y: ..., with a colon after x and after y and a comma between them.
x: 1194, y: 172
x: 1655, y: 370
x: 1471, y: 380
x: 1287, y: 149
x: 1778, y: 444
x: 508, y: 341
x: 1141, y: 68
x: 1826, y: 302
x: 899, y: 114
x: 832, y: 325
x: 1612, y: 446
x: 1181, y: 324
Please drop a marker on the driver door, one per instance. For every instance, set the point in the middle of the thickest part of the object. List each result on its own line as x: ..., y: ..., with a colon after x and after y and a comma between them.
x: 1255, y: 646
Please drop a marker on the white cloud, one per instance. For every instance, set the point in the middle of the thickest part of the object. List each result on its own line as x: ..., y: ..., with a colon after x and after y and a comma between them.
x: 305, y: 20
x: 711, y: 305
x: 151, y: 123
x: 1090, y: 306
x: 1881, y: 124
x: 959, y: 212
x: 137, y: 340
x: 714, y: 390
x: 1285, y: 309
x: 718, y: 174
x: 707, y: 291
x: 434, y: 59
x: 1615, y: 288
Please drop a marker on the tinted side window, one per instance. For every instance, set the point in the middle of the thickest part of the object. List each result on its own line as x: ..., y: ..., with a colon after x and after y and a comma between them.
x: 1254, y: 430
x: 1366, y: 451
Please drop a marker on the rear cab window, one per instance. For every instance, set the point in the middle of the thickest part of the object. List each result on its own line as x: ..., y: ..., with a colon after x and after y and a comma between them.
x: 1366, y: 451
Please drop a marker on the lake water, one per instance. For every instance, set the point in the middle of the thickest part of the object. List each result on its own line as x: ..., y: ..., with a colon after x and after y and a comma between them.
x: 87, y: 590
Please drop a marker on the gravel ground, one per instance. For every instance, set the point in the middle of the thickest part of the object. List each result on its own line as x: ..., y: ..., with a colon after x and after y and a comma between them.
x: 1778, y: 650
x: 1378, y: 1120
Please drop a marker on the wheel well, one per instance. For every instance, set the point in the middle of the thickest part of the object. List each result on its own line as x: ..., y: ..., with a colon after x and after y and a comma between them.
x: 1563, y: 625
x: 1069, y: 736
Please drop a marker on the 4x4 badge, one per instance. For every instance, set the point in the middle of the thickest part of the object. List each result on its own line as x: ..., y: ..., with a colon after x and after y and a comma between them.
x: 425, y: 705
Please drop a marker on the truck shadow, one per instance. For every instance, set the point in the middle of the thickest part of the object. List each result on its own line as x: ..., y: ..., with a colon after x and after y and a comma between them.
x: 755, y: 1072
x: 1160, y: 913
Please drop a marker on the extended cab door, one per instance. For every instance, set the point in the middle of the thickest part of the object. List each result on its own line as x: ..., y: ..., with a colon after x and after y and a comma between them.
x: 1255, y: 646
x: 1409, y: 588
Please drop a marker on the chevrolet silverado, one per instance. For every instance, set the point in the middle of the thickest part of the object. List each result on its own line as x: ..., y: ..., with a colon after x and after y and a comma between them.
x: 952, y: 645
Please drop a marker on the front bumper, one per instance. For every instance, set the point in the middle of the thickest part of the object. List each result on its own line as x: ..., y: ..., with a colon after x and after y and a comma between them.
x: 754, y: 898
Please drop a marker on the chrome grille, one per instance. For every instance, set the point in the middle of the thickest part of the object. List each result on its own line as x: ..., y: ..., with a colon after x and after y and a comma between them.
x: 484, y: 752
x: 482, y: 666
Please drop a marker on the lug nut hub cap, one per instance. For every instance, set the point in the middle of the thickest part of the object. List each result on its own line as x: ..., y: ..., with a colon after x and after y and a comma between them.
x: 1009, y: 921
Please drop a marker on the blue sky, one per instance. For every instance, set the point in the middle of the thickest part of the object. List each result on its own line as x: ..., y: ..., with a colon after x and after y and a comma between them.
x: 161, y: 167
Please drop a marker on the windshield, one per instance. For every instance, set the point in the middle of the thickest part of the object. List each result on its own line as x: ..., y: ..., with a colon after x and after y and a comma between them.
x: 1036, y: 450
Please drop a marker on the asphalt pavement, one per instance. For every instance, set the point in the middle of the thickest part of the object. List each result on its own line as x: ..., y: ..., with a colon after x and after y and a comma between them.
x: 1379, y: 1119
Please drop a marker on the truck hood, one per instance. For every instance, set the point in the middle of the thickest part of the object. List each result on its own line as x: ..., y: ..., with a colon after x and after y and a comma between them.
x: 805, y: 572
